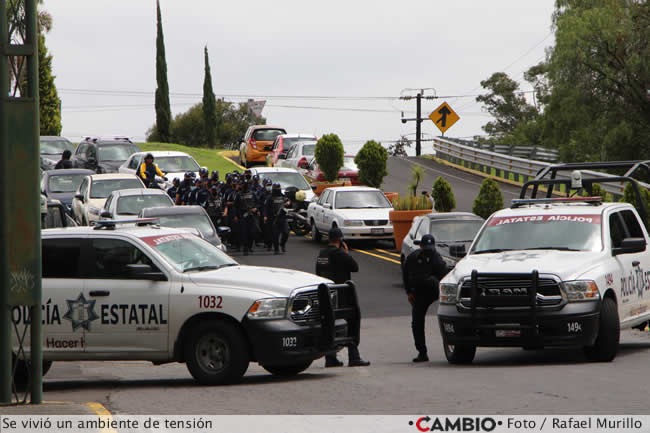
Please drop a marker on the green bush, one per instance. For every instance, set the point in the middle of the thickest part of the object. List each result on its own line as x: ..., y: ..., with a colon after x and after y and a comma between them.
x: 410, y: 202
x: 443, y: 195
x: 598, y: 191
x: 489, y: 199
x: 371, y: 161
x: 630, y: 197
x: 329, y: 155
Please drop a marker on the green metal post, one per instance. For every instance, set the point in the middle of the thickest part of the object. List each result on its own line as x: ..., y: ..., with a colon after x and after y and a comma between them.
x: 34, y: 196
x: 5, y: 324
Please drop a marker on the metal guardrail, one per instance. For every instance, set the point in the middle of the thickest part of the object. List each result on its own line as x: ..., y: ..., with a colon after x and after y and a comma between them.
x: 536, y: 153
x: 509, y: 167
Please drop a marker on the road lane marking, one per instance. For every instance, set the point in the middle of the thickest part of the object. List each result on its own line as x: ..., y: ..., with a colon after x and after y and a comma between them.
x: 103, y: 413
x: 387, y: 252
x: 377, y: 255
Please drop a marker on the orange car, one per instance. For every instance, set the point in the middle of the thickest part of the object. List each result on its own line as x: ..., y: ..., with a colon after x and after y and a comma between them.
x: 257, y: 143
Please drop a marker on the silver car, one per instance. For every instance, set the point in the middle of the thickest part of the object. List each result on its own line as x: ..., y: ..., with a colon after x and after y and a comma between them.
x: 126, y: 204
x: 453, y: 232
x: 299, y: 155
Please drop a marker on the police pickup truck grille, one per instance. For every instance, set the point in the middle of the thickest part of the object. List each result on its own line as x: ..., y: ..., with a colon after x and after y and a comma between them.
x: 375, y: 222
x: 305, y: 309
x: 548, y: 291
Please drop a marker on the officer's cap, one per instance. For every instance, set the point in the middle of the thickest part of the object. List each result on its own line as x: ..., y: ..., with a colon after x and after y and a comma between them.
x: 428, y: 242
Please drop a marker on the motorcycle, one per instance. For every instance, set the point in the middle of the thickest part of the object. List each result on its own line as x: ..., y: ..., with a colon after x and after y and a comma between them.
x: 297, y: 213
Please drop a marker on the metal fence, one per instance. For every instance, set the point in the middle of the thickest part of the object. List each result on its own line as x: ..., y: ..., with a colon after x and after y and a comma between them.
x: 536, y: 153
x: 509, y: 167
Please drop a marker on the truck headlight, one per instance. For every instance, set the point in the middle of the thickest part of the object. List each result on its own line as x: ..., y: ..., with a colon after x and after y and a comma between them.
x: 448, y: 293
x: 269, y: 308
x: 353, y: 223
x: 581, y: 290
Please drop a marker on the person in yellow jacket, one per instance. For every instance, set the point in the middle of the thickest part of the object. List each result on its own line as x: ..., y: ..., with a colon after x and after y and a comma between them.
x: 148, y: 171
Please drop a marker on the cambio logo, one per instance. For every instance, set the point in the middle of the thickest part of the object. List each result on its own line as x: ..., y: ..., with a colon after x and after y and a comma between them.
x: 462, y: 424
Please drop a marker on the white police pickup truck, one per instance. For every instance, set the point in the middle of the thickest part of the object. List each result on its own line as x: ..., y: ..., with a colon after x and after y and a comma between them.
x: 165, y: 295
x: 549, y: 272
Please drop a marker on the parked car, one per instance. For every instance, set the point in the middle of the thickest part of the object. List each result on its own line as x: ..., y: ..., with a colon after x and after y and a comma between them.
x: 63, y: 184
x: 186, y: 217
x: 51, y: 149
x: 103, y: 155
x: 126, y: 204
x: 54, y: 214
x: 298, y: 156
x: 349, y: 171
x: 257, y: 143
x: 93, y: 191
x: 286, y: 177
x: 453, y: 232
x: 173, y: 164
x: 359, y: 211
x: 283, y: 144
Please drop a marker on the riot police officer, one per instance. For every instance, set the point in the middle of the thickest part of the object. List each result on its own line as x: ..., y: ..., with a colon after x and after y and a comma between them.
x: 213, y: 206
x: 276, y: 215
x: 203, y: 193
x: 176, y: 183
x: 424, y: 268
x: 233, y: 209
x: 249, y: 227
x: 335, y: 263
x: 182, y: 194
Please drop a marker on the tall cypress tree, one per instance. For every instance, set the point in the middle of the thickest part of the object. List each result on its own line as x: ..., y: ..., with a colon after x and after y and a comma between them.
x: 209, y: 105
x: 163, y: 110
x: 49, y: 105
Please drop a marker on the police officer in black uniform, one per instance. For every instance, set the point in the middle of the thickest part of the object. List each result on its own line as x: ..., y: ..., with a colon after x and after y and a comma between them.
x: 233, y: 208
x: 424, y: 268
x: 335, y: 263
x: 183, y: 191
x: 176, y: 183
x: 276, y: 215
x: 64, y: 162
x: 203, y: 193
x: 213, y: 206
x: 249, y: 227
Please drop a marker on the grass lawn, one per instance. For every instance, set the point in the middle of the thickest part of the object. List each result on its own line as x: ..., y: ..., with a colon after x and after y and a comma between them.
x: 209, y: 158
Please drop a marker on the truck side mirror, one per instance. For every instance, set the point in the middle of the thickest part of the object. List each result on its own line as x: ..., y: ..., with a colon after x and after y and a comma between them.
x: 630, y: 246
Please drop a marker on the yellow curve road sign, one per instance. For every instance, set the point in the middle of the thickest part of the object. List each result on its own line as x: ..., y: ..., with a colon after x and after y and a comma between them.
x: 444, y: 117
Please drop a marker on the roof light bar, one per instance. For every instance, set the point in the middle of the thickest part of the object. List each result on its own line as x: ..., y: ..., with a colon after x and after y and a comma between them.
x: 523, y: 201
x: 110, y: 224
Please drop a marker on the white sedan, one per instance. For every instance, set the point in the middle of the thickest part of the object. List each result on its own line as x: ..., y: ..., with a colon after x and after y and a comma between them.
x: 173, y: 164
x: 126, y: 204
x: 93, y: 191
x: 359, y: 211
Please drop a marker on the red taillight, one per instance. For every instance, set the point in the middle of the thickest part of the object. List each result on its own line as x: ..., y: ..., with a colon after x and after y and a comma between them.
x: 303, y: 163
x: 253, y: 143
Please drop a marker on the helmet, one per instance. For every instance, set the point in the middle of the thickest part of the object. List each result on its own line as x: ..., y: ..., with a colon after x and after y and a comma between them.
x: 148, y: 155
x: 215, y: 175
x: 301, y: 195
x: 203, y: 171
x: 188, y: 175
x: 276, y: 186
x: 267, y: 181
x: 256, y: 178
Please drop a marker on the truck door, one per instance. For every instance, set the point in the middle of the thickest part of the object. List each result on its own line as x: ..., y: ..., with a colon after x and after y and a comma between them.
x: 132, y: 299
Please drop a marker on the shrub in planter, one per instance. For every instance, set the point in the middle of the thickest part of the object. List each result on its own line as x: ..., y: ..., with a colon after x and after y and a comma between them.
x: 443, y: 195
x: 598, y: 191
x: 371, y: 161
x: 489, y: 199
x: 329, y: 155
x: 629, y: 196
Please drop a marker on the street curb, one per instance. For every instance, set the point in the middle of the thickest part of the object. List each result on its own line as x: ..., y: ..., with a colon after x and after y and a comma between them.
x: 228, y: 154
x: 55, y: 408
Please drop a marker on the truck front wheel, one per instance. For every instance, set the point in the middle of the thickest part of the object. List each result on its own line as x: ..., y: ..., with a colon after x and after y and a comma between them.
x: 609, y: 332
x: 216, y: 353
x: 287, y: 370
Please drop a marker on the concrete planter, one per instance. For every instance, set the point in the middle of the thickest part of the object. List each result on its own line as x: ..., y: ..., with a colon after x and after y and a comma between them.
x: 402, y: 220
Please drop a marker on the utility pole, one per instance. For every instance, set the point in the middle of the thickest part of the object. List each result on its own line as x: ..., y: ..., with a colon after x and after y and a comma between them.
x: 418, y: 115
x: 20, y: 271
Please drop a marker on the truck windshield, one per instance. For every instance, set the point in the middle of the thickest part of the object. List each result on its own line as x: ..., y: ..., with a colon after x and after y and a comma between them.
x: 538, y: 232
x: 188, y: 253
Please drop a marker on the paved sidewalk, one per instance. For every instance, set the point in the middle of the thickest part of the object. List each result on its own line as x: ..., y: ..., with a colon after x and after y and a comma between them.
x: 54, y: 408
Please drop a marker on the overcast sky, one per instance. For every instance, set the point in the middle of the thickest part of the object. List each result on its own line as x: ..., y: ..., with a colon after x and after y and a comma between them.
x: 104, y: 59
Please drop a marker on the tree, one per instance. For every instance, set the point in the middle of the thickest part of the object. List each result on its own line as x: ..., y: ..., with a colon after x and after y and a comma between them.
x: 49, y: 105
x: 505, y: 103
x: 417, y: 173
x: 371, y: 160
x: 443, y: 195
x: 399, y: 147
x: 209, y: 105
x: 489, y: 199
x: 163, y: 109
x: 329, y: 155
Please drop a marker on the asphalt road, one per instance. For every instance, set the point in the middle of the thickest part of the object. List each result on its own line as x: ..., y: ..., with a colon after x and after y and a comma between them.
x: 502, y: 381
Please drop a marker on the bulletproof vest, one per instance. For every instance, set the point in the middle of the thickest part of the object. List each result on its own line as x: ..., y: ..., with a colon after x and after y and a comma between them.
x: 213, y: 207
x: 248, y: 200
x: 150, y: 171
x: 422, y: 267
x: 202, y: 197
x: 277, y: 204
x: 323, y: 266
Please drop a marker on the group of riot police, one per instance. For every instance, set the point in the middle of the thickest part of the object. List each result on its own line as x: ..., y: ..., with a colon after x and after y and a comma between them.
x: 255, y: 211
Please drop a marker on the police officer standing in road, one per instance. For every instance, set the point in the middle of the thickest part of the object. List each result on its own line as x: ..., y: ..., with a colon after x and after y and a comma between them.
x: 424, y: 268
x: 249, y: 227
x: 335, y: 263
x: 183, y: 191
x: 276, y: 215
